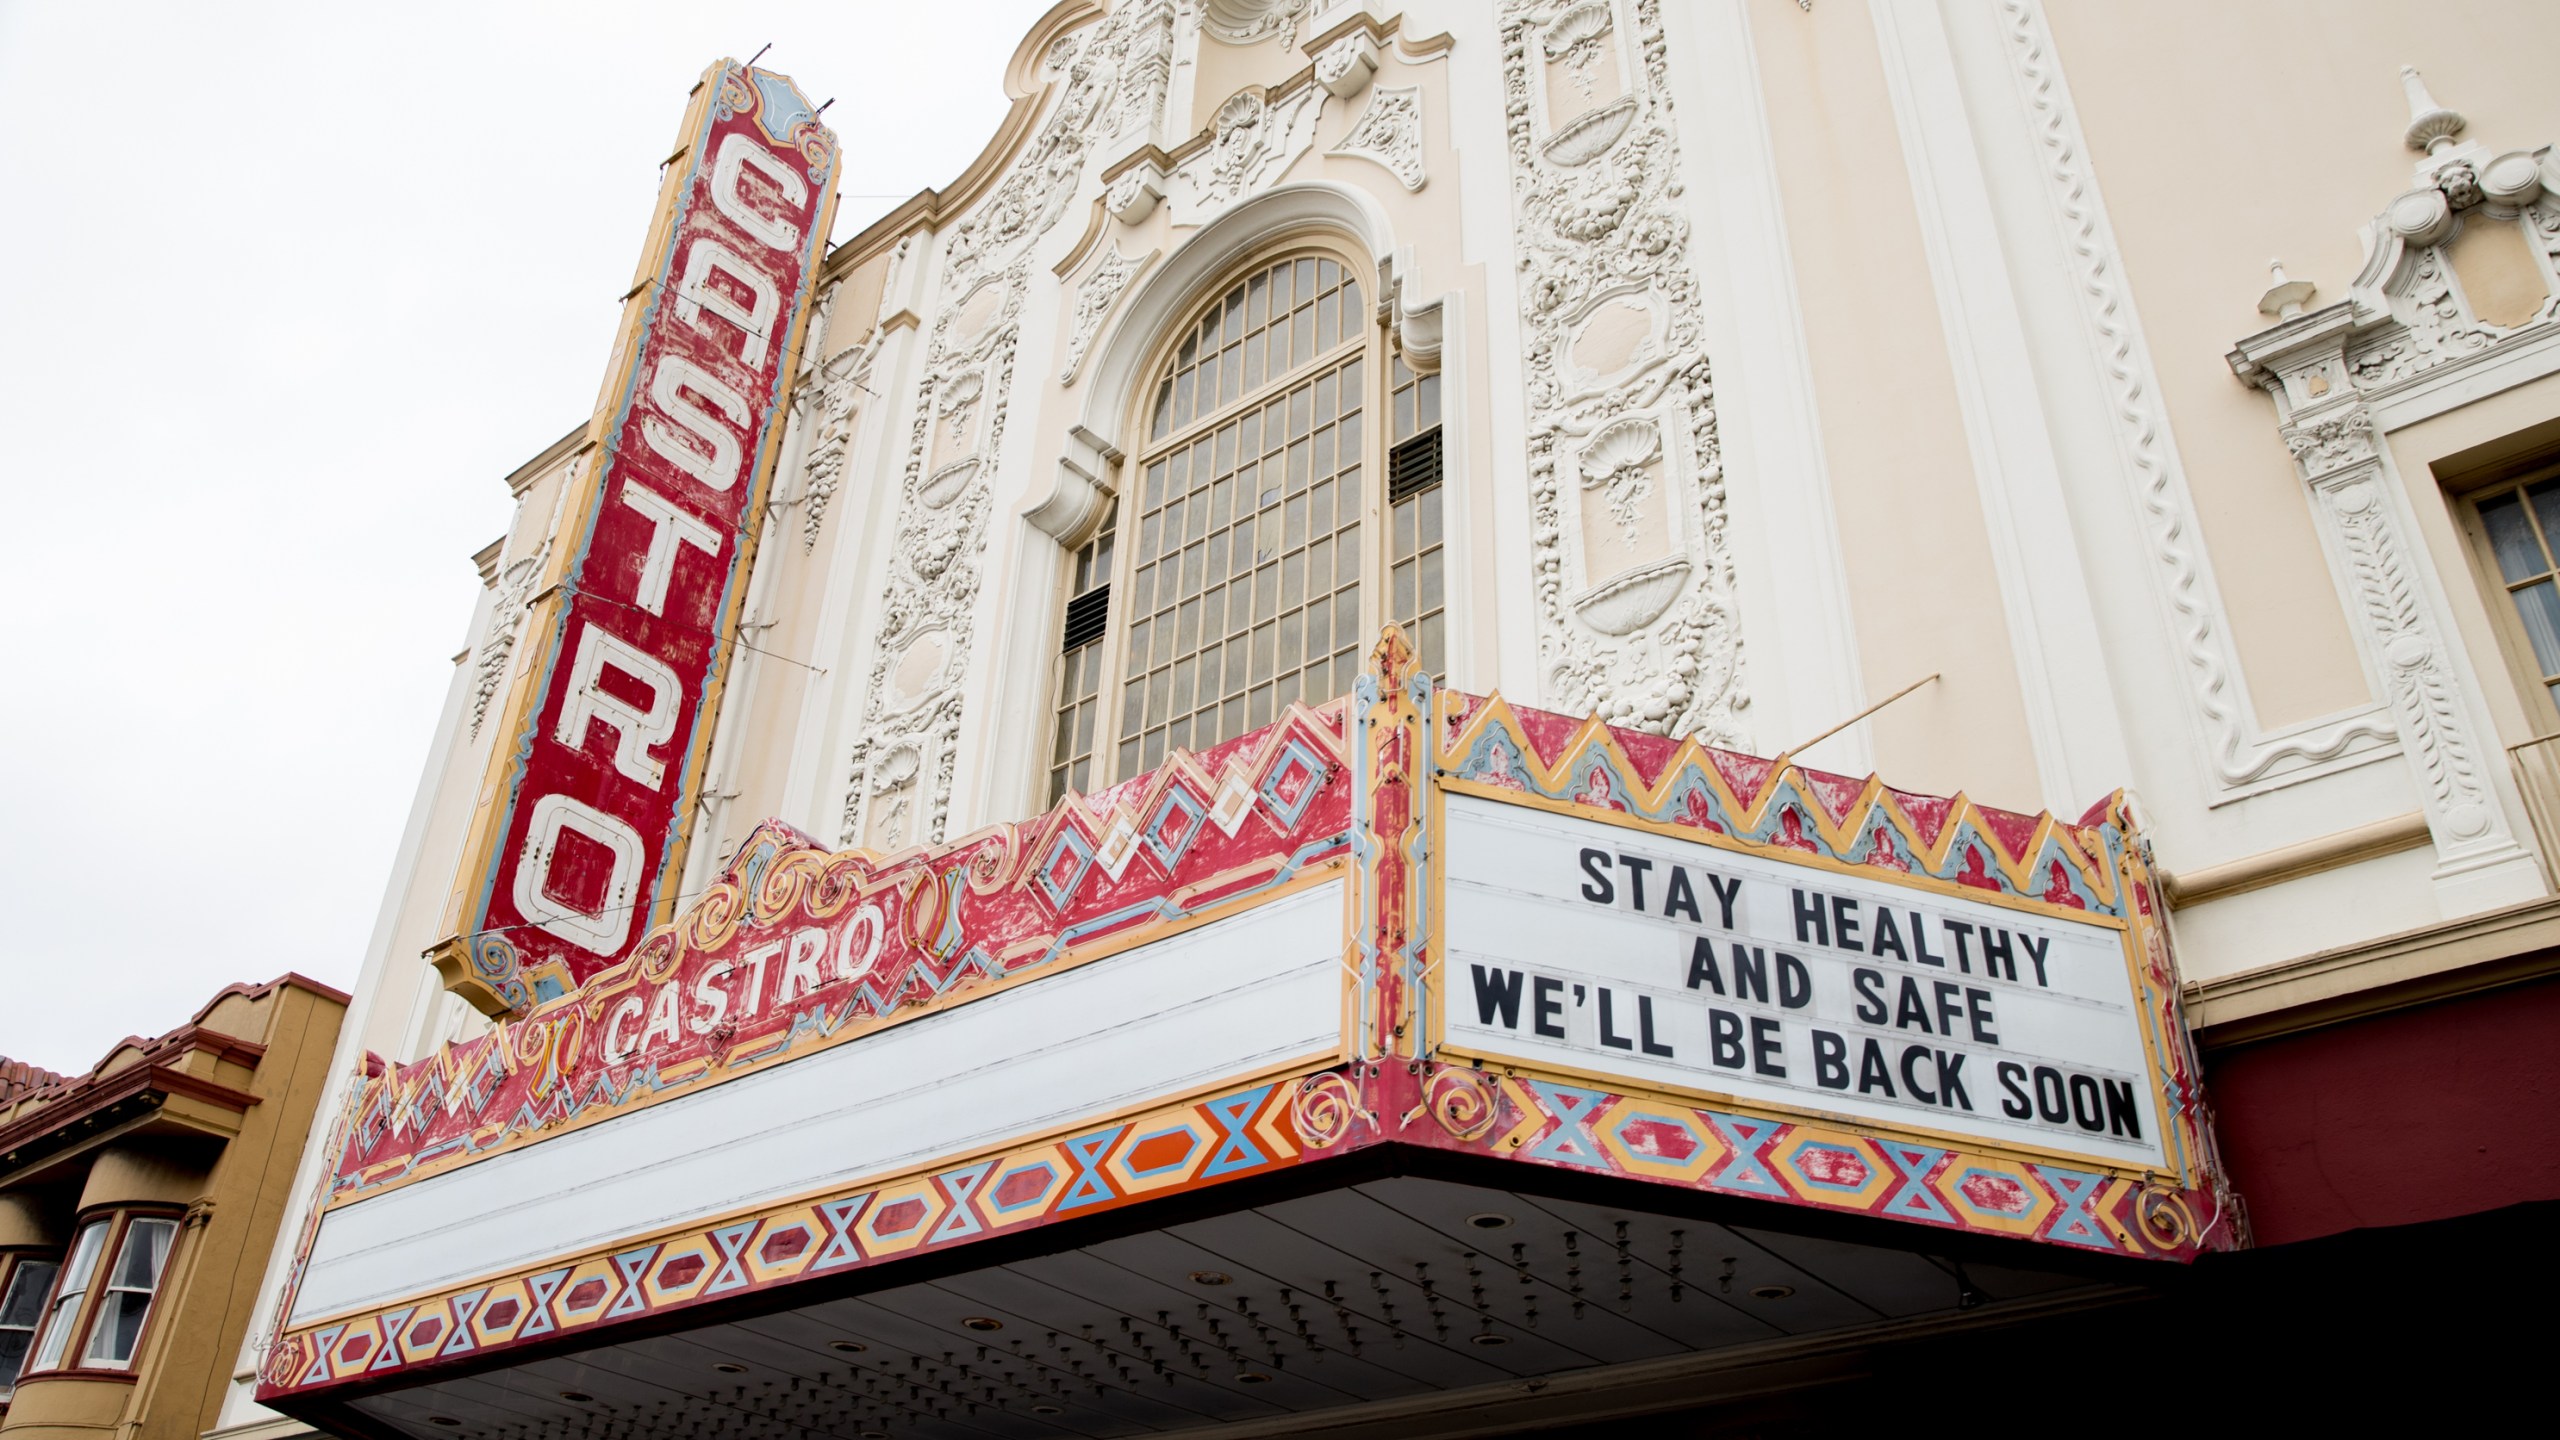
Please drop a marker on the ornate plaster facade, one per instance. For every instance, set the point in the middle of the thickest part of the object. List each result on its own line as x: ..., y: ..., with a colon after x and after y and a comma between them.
x: 1789, y: 359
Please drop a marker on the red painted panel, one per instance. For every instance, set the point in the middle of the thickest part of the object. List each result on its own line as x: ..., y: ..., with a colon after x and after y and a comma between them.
x: 795, y: 948
x: 603, y: 737
x: 2422, y: 1114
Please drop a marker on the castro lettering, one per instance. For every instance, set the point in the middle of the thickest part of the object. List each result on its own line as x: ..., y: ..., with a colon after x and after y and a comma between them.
x: 632, y: 623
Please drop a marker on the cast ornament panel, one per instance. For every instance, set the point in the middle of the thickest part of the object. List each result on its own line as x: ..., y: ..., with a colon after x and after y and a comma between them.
x: 498, y: 642
x: 835, y: 413
x: 1632, y: 568
x: 1253, y: 139
x: 2415, y: 316
x: 1389, y: 133
x: 899, y: 772
x: 1095, y: 295
x: 2406, y: 327
x: 1344, y: 67
x: 2404, y: 634
x: 1250, y: 22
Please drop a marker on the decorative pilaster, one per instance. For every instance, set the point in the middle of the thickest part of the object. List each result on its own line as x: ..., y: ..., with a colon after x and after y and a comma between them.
x: 2343, y: 376
x: 1391, y: 941
x: 2399, y: 623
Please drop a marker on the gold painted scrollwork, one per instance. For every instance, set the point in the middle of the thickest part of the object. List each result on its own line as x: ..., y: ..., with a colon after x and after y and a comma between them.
x: 2168, y: 1221
x: 1464, y: 1101
x: 1324, y: 1109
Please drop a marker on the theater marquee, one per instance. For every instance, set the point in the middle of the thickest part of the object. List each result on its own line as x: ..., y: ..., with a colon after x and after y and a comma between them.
x: 1409, y: 918
x: 1578, y: 944
x: 580, y: 828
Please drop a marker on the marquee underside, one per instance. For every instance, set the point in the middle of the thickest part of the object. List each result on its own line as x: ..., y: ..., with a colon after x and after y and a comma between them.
x: 1277, y: 1313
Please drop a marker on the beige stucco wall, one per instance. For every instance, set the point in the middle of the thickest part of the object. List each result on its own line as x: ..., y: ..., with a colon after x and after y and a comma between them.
x: 2279, y: 137
x: 1924, y: 595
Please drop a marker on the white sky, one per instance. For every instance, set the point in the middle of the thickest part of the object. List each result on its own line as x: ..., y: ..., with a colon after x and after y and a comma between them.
x: 289, y: 289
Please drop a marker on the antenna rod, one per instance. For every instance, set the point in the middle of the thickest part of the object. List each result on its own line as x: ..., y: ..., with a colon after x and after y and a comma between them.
x: 1863, y: 714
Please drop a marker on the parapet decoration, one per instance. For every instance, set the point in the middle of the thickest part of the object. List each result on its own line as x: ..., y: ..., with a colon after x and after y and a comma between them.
x: 1247, y: 22
x: 835, y: 412
x: 2459, y: 288
x: 1636, y: 604
x: 1389, y: 133
x: 1108, y: 80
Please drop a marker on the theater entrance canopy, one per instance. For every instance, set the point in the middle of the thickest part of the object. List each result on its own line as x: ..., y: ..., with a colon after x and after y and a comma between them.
x: 1414, y: 1048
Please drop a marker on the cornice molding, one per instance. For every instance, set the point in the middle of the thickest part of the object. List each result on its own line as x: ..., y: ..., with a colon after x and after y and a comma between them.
x: 2396, y: 972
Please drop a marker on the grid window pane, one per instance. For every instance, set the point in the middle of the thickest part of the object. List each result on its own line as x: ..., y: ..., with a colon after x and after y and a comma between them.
x: 1080, y: 664
x: 1414, y: 555
x: 2539, y: 606
x: 2519, y: 523
x: 2511, y: 539
x: 2546, y: 506
x: 1258, y: 518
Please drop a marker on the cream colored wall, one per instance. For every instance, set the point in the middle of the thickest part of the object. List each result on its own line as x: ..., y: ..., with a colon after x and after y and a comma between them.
x: 1219, y: 70
x: 1924, y: 595
x: 850, y: 319
x: 2279, y: 137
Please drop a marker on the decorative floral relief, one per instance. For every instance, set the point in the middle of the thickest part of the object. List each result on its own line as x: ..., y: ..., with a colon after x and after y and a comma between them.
x: 1390, y: 133
x: 1620, y: 464
x: 1252, y: 140
x: 2324, y: 445
x: 1147, y: 73
x: 498, y: 642
x: 899, y: 783
x: 2438, y: 329
x: 1095, y: 295
x: 835, y: 413
x: 1247, y: 22
x: 1344, y: 66
x: 2403, y: 636
x: 1611, y: 309
x: 1239, y: 138
x: 1574, y: 40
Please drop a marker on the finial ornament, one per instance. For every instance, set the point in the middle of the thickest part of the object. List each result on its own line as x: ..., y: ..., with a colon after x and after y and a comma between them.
x: 2284, y: 298
x: 2431, y: 126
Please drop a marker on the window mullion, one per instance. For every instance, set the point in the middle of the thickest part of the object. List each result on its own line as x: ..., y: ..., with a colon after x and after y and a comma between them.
x: 1218, y: 601
x: 1115, y: 634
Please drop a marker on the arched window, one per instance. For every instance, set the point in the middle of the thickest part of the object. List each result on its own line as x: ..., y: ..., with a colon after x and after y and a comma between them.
x: 1230, y: 578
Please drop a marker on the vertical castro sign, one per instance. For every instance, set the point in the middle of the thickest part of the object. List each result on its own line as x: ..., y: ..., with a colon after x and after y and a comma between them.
x: 579, y: 833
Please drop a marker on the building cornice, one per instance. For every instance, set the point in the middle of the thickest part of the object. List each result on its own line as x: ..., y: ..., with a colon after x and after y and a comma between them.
x: 2353, y: 982
x: 126, y: 1095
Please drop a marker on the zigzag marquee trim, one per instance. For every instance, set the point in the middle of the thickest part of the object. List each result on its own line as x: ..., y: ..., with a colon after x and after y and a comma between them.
x: 1358, y: 786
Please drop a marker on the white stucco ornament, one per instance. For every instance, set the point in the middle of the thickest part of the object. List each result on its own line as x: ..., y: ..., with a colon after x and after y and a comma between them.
x: 1389, y: 133
x: 1344, y: 67
x: 1637, y: 614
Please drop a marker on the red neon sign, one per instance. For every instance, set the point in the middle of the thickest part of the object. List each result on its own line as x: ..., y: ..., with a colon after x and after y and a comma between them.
x: 585, y: 811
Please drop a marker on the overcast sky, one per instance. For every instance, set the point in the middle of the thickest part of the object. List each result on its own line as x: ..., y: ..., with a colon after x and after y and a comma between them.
x: 289, y: 289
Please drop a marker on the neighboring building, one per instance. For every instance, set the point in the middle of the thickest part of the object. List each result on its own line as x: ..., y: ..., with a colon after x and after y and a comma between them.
x: 139, y: 1202
x: 1896, y: 387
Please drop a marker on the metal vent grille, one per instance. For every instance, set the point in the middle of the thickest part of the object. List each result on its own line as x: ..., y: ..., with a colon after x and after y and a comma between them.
x: 1414, y: 465
x: 1087, y: 614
